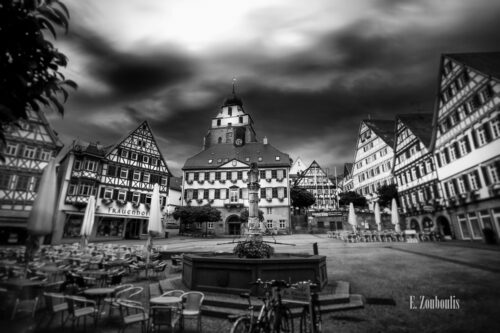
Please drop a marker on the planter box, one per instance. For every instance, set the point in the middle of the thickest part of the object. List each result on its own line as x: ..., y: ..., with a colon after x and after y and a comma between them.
x: 226, y: 273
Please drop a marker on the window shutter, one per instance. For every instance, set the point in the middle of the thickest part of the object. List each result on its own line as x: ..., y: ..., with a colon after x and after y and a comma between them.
x: 446, y: 190
x: 130, y: 174
x: 447, y: 155
x: 417, y: 171
x: 487, y: 179
x: 487, y: 132
x: 457, y: 149
x: 227, y: 193
x: 241, y: 193
x: 262, y: 192
x: 101, y: 194
x: 467, y: 144
x: 438, y: 159
x: 474, y: 138
x: 465, y: 178
x: 455, y: 185
x: 129, y: 195
x: 142, y: 198
x: 286, y: 192
x: 479, y: 184
x: 115, y: 194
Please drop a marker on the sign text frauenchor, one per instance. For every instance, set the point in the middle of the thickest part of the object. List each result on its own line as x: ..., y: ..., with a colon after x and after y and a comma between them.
x: 133, y: 212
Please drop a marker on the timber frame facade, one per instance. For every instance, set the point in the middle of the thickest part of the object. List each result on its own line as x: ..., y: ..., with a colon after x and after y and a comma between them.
x: 121, y: 177
x: 29, y: 147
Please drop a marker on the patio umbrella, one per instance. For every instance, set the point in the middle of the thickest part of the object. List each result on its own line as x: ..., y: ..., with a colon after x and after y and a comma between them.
x: 352, y: 216
x: 377, y: 216
x: 155, y: 226
x: 41, y: 217
x: 395, y: 215
x: 88, y: 221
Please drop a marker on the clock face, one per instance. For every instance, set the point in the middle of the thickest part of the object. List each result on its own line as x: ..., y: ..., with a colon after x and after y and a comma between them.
x: 238, y: 142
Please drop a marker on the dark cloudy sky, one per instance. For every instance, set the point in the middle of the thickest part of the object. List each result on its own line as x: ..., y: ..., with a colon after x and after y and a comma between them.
x: 307, y: 71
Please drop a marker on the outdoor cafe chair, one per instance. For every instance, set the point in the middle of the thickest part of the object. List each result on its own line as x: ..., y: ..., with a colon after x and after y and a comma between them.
x: 191, y: 307
x: 163, y: 316
x: 56, y: 304
x: 132, y: 312
x: 160, y: 268
x: 81, y: 307
x: 26, y: 301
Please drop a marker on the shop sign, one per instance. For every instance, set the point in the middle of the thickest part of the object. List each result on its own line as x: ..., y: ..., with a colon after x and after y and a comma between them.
x: 125, y: 210
x: 428, y: 208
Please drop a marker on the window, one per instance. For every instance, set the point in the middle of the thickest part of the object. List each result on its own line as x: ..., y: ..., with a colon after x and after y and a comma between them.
x: 124, y: 173
x: 451, y: 189
x: 217, y: 175
x: 148, y: 199
x: 146, y: 177
x: 282, y: 224
x: 473, y: 181
x: 72, y: 189
x: 211, y: 194
x: 280, y: 174
x: 137, y: 176
x: 463, y: 146
x: 45, y: 156
x: 218, y: 124
x: 269, y: 210
x: 136, y: 197
x: 210, y: 225
x: 453, y: 155
x: 124, y: 153
x: 217, y: 193
x: 240, y: 120
x: 481, y: 135
x: 133, y: 156
x: 122, y: 195
x: 461, y: 185
x: 189, y: 194
x: 269, y: 224
x: 281, y: 193
x: 474, y: 223
x: 462, y: 221
x: 495, y: 128
x: 78, y: 165
x: 234, y: 175
x: 486, y: 219
x: 29, y: 152
x: 233, y: 195
x: 108, y: 193
x: 493, y: 172
x: 22, y: 183
x: 90, y: 165
x: 275, y: 192
x: 154, y: 161
x: 163, y: 181
x: 85, y: 189
x: 230, y: 111
x: 11, y: 149
x: 145, y: 159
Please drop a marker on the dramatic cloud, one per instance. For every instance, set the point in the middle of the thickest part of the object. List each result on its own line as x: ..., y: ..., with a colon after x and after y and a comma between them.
x: 308, y: 72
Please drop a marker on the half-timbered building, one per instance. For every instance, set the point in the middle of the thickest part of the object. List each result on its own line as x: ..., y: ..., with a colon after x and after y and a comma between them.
x: 466, y: 141
x: 29, y: 146
x: 121, y: 176
x: 414, y: 170
x: 218, y: 174
x: 317, y: 182
x: 373, y: 157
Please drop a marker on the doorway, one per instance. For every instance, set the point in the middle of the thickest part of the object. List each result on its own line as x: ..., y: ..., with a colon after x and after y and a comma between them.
x: 444, y: 225
x: 133, y: 229
x: 233, y: 225
x: 414, y: 225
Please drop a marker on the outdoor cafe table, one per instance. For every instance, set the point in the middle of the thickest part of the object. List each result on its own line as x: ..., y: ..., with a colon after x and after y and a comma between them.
x: 165, y: 300
x: 98, y: 294
x: 20, y: 283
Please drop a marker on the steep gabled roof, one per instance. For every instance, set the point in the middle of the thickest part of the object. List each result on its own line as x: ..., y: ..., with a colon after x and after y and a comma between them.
x: 487, y: 63
x: 420, y: 124
x: 347, y: 169
x: 225, y: 152
x: 176, y: 183
x: 384, y: 129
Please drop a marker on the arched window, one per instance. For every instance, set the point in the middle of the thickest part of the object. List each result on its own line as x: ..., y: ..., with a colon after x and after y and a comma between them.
x: 218, y: 122
x: 230, y: 111
x: 219, y: 140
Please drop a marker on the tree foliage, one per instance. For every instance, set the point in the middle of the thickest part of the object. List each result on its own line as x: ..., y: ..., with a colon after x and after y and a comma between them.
x: 386, y: 193
x: 197, y: 214
x: 347, y: 197
x: 29, y: 63
x: 244, y: 216
x: 301, y: 198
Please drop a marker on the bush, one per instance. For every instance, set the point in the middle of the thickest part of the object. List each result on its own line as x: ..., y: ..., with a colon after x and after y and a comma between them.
x: 253, y: 249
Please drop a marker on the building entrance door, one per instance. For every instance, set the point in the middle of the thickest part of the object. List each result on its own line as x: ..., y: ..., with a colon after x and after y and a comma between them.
x: 233, y: 225
x: 133, y: 229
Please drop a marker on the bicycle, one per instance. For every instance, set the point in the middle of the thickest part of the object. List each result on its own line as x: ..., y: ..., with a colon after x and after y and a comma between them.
x: 273, y: 317
x: 311, y: 311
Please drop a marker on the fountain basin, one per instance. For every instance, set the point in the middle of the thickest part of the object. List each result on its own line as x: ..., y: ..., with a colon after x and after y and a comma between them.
x: 226, y: 273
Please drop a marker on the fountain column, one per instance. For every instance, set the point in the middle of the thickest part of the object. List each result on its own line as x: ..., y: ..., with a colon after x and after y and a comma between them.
x: 254, y: 230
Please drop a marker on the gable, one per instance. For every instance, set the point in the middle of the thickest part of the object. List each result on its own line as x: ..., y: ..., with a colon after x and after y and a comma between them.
x: 234, y: 164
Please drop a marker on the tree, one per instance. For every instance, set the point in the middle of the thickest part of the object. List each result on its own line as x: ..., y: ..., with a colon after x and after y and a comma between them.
x: 244, y: 216
x: 386, y: 193
x: 347, y: 197
x: 29, y: 63
x: 200, y: 214
x: 301, y: 198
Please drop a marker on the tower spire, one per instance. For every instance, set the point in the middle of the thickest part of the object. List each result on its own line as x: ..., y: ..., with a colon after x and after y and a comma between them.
x: 234, y: 84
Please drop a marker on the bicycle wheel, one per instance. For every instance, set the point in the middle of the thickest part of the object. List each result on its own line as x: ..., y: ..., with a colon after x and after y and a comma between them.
x: 282, y: 321
x: 241, y: 325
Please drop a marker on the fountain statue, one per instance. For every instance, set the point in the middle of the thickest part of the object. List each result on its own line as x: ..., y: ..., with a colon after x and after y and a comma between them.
x: 254, y: 230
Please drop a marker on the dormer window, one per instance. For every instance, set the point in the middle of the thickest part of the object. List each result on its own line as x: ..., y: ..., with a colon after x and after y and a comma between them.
x: 247, y: 159
x: 210, y: 161
x: 218, y: 122
x: 277, y: 158
x: 240, y: 119
x: 259, y: 159
x: 230, y: 111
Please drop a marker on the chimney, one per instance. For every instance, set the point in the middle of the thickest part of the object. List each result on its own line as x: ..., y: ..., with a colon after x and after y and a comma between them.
x: 264, y: 141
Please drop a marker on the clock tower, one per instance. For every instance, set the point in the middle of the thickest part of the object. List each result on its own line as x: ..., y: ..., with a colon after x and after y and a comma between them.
x: 231, y: 125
